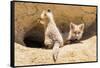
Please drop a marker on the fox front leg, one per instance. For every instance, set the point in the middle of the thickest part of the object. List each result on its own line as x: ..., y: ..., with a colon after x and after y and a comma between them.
x: 48, y: 42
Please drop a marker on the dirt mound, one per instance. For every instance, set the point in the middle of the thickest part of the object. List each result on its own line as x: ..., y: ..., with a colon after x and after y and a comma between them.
x: 79, y: 52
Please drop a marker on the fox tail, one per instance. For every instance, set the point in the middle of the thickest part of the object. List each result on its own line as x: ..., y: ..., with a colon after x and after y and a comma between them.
x: 56, y: 50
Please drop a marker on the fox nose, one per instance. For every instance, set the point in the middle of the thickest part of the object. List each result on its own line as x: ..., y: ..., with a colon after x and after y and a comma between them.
x: 75, y: 39
x: 49, y: 10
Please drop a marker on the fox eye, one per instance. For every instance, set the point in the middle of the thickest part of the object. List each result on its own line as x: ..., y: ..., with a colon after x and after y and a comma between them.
x: 45, y: 14
x: 74, y: 32
x: 78, y: 32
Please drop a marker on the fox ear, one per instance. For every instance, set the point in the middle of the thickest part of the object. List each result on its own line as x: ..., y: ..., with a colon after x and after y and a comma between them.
x: 42, y: 17
x: 72, y: 25
x: 43, y: 14
x: 81, y: 26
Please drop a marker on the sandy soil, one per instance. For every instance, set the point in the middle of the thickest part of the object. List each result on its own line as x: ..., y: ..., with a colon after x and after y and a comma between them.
x: 79, y: 52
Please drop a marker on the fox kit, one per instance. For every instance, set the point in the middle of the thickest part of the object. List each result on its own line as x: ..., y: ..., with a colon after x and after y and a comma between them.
x: 76, y: 32
x: 53, y: 38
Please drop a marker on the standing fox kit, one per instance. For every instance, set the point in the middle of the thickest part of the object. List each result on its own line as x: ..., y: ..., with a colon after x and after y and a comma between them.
x: 76, y: 32
x: 53, y: 38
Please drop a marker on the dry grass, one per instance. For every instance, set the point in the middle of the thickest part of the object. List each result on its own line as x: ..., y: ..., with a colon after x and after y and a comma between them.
x: 79, y: 52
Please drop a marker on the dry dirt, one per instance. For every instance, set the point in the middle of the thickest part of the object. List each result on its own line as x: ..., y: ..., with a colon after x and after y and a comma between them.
x: 78, y: 52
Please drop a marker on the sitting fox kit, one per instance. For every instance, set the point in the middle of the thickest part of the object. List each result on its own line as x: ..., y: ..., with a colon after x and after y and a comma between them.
x: 76, y: 32
x: 53, y: 38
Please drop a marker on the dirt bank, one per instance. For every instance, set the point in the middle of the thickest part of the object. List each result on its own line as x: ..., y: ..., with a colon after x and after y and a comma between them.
x: 79, y: 52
